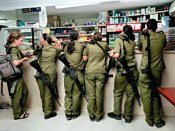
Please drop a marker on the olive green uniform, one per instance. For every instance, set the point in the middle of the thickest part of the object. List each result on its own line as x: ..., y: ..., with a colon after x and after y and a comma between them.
x: 19, y: 98
x: 121, y: 84
x: 47, y: 62
x: 95, y: 78
x: 157, y: 44
x: 73, y: 95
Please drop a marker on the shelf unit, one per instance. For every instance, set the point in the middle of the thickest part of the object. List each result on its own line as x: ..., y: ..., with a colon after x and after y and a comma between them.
x: 157, y: 12
x: 85, y: 32
x: 138, y: 18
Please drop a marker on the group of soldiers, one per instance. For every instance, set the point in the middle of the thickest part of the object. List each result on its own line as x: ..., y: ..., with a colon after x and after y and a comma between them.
x: 86, y: 73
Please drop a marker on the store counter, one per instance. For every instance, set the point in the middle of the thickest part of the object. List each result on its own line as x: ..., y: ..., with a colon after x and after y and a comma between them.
x: 168, y: 93
x: 34, y: 101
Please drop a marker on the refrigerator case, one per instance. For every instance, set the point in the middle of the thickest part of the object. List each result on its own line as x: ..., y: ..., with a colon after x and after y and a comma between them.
x: 113, y: 30
x: 170, y: 37
x: 31, y: 37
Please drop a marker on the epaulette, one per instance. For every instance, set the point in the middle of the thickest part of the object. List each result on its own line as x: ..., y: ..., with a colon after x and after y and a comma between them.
x: 161, y: 31
x: 92, y: 42
x: 123, y: 37
x: 145, y: 33
x: 64, y: 43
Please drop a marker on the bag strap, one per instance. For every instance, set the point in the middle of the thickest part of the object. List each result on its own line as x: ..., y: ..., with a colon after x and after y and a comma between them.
x: 2, y: 88
x: 9, y: 50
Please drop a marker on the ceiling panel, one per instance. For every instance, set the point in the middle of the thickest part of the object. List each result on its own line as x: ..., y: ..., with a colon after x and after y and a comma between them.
x: 51, y: 10
x: 106, y: 6
x: 117, y: 4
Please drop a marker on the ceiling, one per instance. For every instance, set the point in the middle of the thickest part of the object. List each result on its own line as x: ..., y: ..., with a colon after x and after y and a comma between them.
x: 7, y: 7
x: 106, y: 6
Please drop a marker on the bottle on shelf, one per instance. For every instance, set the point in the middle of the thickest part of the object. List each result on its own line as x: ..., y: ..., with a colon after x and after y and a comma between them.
x: 73, y: 22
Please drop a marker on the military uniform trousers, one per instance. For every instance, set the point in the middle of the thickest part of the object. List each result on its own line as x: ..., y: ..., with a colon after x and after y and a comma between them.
x: 122, y: 86
x: 72, y: 94
x: 95, y: 90
x: 151, y: 108
x: 19, y: 98
x: 46, y: 97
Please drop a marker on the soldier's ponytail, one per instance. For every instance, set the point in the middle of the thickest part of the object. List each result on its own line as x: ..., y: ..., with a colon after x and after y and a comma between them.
x: 47, y: 38
x: 127, y: 29
x: 73, y: 36
x: 12, y: 37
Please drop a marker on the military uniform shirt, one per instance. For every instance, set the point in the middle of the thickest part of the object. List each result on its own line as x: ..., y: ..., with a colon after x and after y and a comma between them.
x: 96, y: 58
x: 75, y: 59
x: 48, y: 59
x: 129, y: 46
x: 157, y: 44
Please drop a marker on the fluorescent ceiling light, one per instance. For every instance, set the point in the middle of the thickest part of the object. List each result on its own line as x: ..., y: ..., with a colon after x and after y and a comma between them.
x: 76, y: 3
x: 130, y: 0
x: 3, y: 20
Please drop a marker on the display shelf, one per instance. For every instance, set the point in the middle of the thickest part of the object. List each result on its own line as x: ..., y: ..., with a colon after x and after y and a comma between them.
x: 157, y: 12
x: 83, y: 26
x: 85, y: 31
x: 141, y: 15
x: 30, y: 37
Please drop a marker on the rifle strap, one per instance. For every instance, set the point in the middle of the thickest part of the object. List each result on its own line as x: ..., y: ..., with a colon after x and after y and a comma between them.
x: 123, y: 47
x: 102, y: 48
x: 40, y: 53
x: 149, y: 49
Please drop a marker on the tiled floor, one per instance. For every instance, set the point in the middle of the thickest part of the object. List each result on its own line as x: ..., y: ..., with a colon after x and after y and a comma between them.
x: 36, y: 122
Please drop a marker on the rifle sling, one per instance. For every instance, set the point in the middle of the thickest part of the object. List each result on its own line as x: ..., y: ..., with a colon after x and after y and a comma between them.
x: 102, y: 49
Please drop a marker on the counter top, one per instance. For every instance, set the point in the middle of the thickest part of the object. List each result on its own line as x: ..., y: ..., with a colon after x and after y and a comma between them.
x: 165, y: 52
x: 168, y: 93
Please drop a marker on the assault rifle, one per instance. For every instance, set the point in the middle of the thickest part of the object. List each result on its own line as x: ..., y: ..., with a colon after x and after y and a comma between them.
x: 130, y: 77
x: 45, y: 79
x: 73, y: 74
x: 153, y: 81
x: 153, y: 86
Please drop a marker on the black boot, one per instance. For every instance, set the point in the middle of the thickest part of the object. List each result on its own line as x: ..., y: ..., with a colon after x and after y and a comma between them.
x: 115, y: 116
x: 53, y: 114
x: 160, y: 124
x: 68, y: 117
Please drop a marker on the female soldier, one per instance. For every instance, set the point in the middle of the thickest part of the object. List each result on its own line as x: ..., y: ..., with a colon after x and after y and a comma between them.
x: 74, y: 54
x: 124, y: 44
x: 157, y: 44
x: 95, y: 75
x: 20, y: 95
x: 48, y: 63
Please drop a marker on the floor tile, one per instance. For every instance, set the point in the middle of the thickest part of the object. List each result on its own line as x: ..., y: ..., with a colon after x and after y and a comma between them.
x: 36, y: 122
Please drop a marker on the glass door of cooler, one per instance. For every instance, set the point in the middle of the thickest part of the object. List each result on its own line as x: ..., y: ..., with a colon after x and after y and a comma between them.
x: 111, y: 38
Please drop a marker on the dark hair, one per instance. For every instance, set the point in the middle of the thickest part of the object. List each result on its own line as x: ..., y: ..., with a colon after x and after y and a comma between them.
x: 127, y: 29
x: 97, y: 36
x: 12, y: 37
x: 73, y: 35
x: 48, y: 38
x: 152, y: 24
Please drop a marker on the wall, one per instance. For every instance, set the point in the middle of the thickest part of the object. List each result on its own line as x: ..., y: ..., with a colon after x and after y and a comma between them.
x: 79, y: 18
x: 34, y: 100
x: 10, y: 16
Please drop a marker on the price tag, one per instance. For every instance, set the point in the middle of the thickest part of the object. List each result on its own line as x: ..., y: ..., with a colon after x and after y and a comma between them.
x: 111, y: 28
x: 25, y: 30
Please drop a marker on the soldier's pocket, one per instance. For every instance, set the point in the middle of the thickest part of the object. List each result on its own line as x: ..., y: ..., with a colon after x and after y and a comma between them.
x: 143, y: 78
